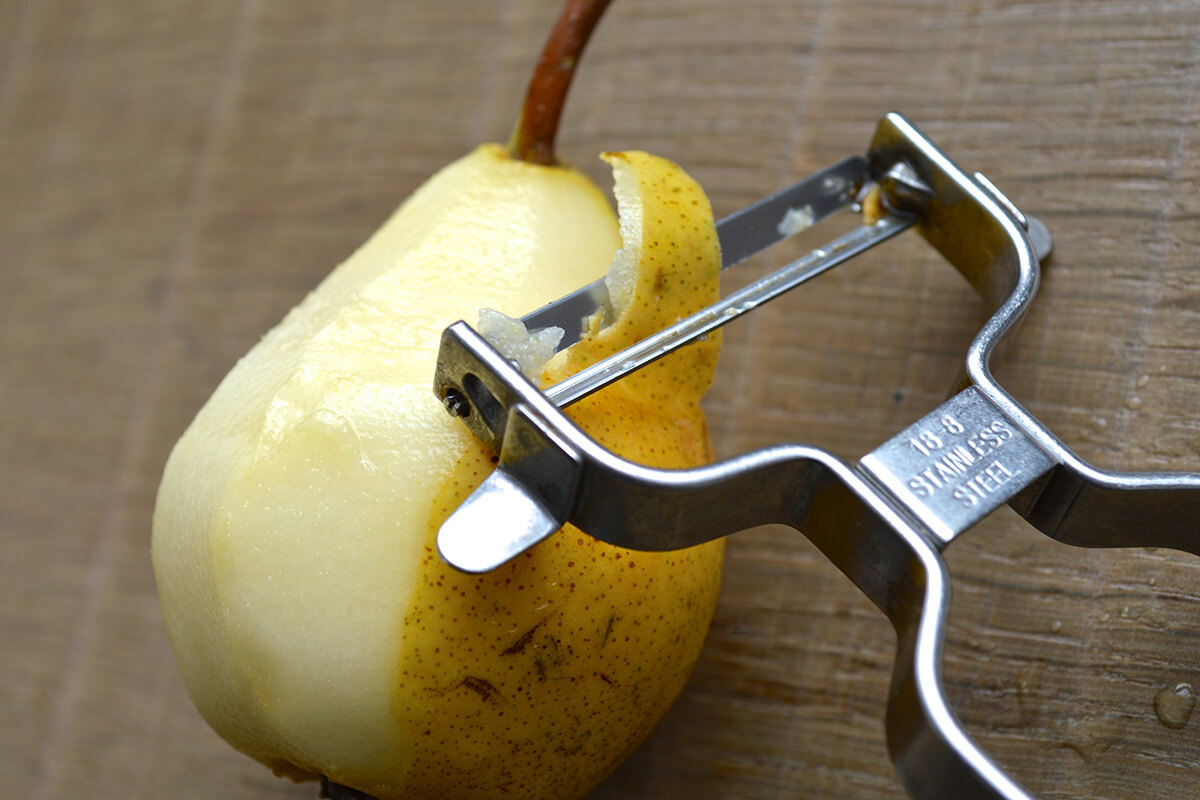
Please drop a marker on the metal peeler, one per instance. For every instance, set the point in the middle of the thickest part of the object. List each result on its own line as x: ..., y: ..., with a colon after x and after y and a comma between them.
x: 884, y: 521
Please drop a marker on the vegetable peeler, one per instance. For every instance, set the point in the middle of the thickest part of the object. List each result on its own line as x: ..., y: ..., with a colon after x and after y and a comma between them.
x: 884, y: 521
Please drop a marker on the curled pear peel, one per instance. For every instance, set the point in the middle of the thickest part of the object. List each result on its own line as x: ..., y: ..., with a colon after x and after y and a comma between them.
x: 317, y: 629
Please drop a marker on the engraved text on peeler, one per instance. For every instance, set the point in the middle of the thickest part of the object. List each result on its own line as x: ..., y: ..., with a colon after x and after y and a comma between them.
x: 957, y: 465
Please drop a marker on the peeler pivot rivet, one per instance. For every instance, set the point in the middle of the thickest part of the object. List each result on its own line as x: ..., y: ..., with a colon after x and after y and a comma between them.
x: 456, y: 403
x: 904, y: 187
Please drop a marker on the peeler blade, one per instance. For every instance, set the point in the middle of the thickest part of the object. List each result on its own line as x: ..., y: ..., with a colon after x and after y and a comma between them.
x: 742, y: 234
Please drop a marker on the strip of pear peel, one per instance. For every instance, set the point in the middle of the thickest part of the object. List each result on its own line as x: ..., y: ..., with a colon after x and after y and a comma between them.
x: 727, y: 309
x: 742, y: 234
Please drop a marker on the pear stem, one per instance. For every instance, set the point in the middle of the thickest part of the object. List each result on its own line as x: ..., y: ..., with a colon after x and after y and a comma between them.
x: 537, y: 126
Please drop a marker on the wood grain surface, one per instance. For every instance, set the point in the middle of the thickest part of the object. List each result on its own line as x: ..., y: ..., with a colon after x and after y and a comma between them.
x: 175, y: 175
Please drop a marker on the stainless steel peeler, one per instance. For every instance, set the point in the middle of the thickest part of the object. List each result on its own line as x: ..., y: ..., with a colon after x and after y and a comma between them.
x: 883, y: 521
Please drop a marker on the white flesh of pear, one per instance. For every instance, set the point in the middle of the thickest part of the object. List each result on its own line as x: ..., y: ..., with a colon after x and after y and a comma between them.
x: 330, y: 423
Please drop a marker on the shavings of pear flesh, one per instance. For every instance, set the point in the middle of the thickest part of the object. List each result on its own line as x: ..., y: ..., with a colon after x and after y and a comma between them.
x: 529, y: 351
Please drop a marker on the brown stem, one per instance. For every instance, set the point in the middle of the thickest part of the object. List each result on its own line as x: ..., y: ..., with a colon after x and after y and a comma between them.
x: 533, y: 137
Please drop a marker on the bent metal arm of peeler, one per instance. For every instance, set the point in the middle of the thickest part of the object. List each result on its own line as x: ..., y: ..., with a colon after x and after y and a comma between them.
x: 998, y: 250
x: 1082, y: 505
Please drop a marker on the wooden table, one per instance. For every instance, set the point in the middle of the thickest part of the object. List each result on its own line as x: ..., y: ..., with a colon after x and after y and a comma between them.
x: 175, y: 175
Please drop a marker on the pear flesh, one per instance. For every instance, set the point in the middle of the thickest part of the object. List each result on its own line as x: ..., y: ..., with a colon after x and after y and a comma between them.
x: 293, y: 542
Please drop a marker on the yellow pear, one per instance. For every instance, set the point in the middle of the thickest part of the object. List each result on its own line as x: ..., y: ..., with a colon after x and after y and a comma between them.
x: 316, y: 627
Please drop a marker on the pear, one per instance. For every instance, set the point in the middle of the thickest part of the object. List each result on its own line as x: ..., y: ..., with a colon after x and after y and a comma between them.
x: 317, y: 629
x: 293, y: 542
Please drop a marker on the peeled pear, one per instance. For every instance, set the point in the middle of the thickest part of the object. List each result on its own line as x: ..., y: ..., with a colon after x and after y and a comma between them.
x: 316, y: 627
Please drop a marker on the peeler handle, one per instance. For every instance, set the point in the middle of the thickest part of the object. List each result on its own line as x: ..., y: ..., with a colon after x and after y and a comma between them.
x: 998, y: 250
x: 1081, y: 505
